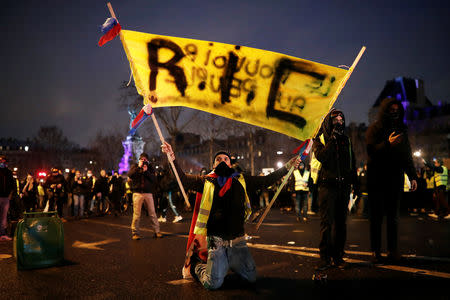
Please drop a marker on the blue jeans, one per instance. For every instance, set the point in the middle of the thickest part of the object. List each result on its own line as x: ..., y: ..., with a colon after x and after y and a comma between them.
x: 301, y: 203
x: 221, y: 257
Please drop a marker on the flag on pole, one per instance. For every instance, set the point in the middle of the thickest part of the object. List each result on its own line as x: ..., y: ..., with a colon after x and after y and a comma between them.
x: 145, y: 112
x: 110, y: 29
x: 263, y: 88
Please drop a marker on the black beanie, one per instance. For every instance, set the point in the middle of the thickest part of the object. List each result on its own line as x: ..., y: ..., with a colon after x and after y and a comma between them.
x: 221, y: 152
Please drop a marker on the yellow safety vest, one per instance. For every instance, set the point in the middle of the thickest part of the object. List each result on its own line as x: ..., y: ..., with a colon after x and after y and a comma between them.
x: 127, y: 188
x: 316, y: 165
x: 301, y: 182
x: 206, y: 204
x: 441, y: 178
x: 430, y: 181
x: 41, y: 191
x: 406, y: 184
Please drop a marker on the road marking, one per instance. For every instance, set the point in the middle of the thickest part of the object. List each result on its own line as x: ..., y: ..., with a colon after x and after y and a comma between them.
x: 94, y: 245
x: 129, y: 228
x: 285, y: 249
x: 180, y: 281
x: 295, y: 250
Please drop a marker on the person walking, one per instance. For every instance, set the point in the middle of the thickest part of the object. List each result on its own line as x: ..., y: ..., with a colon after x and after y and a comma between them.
x: 143, y: 185
x: 389, y: 158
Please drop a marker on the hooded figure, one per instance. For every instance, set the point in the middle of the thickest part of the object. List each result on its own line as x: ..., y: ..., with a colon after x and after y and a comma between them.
x: 332, y: 149
x: 389, y: 157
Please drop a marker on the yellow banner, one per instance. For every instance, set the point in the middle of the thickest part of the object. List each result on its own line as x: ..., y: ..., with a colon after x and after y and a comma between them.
x: 263, y: 88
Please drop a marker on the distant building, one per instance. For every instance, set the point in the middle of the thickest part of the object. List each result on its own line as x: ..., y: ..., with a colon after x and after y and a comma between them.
x: 429, y: 125
x: 25, y: 156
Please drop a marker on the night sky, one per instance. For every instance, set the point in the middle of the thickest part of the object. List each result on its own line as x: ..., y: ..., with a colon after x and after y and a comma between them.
x: 54, y: 73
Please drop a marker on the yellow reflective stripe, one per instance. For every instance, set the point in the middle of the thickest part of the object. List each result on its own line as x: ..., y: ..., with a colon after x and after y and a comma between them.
x: 200, y: 225
x: 203, y: 211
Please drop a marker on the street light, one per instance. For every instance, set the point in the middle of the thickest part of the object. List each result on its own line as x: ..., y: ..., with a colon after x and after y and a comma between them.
x: 418, y: 153
x: 27, y: 148
x: 279, y: 152
x: 279, y: 164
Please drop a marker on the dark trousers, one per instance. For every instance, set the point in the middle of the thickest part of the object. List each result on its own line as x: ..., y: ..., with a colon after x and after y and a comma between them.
x: 384, y: 201
x: 333, y: 209
x: 440, y: 202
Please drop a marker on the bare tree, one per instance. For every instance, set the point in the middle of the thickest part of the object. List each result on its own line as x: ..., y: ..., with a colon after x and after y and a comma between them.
x: 108, y: 149
x: 176, y: 120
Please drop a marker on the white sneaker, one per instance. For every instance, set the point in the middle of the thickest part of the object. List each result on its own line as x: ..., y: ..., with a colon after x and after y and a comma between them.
x: 162, y: 220
x: 177, y: 219
x: 434, y: 216
x: 5, y: 238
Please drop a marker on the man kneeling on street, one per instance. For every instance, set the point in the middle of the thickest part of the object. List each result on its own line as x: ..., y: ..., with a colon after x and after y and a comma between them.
x: 224, y: 208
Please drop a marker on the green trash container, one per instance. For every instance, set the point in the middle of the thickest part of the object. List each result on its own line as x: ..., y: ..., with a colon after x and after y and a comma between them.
x: 39, y: 241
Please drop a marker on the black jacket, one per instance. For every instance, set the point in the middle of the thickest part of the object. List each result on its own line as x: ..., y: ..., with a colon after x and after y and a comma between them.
x: 53, y: 180
x: 101, y: 186
x: 142, y: 182
x: 336, y: 156
x: 7, y: 182
x: 385, y: 162
x: 80, y: 188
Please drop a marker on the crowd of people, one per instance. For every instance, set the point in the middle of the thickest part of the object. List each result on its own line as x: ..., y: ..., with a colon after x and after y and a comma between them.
x: 76, y: 195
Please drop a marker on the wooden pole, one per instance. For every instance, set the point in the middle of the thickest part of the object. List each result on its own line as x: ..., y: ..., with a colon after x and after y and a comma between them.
x: 111, y: 11
x: 186, y: 200
x: 336, y: 94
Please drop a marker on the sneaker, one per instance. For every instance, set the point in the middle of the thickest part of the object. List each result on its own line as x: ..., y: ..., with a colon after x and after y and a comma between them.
x: 5, y: 238
x: 158, y: 235
x: 162, y: 220
x: 177, y: 219
x: 136, y: 237
x: 433, y: 215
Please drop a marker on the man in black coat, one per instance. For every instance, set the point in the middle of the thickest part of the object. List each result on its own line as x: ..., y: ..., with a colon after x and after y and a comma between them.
x: 389, y: 154
x: 332, y: 148
x: 56, y: 187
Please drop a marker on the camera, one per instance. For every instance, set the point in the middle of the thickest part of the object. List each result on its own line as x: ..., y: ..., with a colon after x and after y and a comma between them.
x: 145, y: 163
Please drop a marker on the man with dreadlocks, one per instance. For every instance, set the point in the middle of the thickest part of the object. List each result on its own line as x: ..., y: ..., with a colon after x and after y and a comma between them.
x: 224, y: 208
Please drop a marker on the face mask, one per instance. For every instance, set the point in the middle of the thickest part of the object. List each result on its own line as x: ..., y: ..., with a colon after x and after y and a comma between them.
x: 394, y: 116
x: 338, y: 128
x: 223, y: 169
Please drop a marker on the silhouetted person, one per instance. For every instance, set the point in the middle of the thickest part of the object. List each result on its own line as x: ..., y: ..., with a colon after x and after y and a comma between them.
x: 389, y: 154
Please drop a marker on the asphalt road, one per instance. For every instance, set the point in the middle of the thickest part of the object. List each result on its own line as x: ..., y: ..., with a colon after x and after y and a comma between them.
x: 102, y: 262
